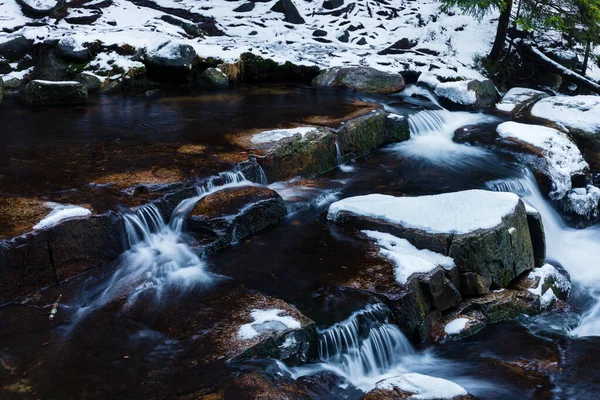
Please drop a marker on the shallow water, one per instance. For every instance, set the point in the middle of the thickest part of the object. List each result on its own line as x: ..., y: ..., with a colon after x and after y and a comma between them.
x: 303, y: 260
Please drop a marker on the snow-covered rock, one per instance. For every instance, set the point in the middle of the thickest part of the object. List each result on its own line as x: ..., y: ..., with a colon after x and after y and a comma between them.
x: 38, y: 8
x: 456, y: 326
x: 362, y: 79
x: 413, y: 386
x: 42, y: 93
x: 517, y: 99
x: 13, y: 48
x: 562, y: 160
x: 471, y: 94
x: 583, y: 201
x: 72, y: 48
x: 171, y: 57
x: 212, y: 78
x: 550, y: 284
x: 580, y: 115
x: 471, y: 227
x: 61, y: 212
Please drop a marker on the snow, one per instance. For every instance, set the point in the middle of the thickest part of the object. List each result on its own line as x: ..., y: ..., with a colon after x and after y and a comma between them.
x: 55, y: 83
x: 406, y: 257
x: 59, y: 213
x: 457, y: 92
x: 562, y: 155
x: 584, y: 201
x: 511, y: 230
x: 458, y: 212
x: 531, y: 210
x: 457, y: 38
x: 456, y: 326
x: 545, y: 273
x: 423, y: 386
x: 576, y: 112
x: 278, y: 134
x: 266, y: 320
x: 106, y: 62
x: 517, y: 96
x: 76, y: 42
x: 44, y: 5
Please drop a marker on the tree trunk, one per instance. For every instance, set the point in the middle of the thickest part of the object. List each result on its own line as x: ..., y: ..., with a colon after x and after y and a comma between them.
x: 586, y: 58
x: 501, y: 32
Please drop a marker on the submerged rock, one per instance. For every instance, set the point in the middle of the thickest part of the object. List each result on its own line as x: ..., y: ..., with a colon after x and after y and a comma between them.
x: 579, y: 115
x: 413, y: 386
x: 41, y: 93
x: 233, y: 213
x: 362, y: 79
x: 469, y: 95
x: 517, y: 100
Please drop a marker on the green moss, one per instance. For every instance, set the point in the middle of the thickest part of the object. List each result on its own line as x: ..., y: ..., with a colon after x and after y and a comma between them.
x: 257, y: 68
x: 74, y: 69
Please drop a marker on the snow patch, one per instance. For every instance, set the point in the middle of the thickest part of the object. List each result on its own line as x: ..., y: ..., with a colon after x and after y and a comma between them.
x: 584, y: 201
x: 517, y: 96
x: 267, y: 321
x: 456, y: 326
x: 278, y: 134
x: 61, y: 212
x: 458, y: 212
x: 406, y: 257
x: 457, y: 92
x: 562, y: 155
x: 544, y: 273
x: 576, y: 112
x: 423, y: 386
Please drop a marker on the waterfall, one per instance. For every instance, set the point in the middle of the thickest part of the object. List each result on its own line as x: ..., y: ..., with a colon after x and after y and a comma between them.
x: 160, y: 258
x: 418, y: 91
x: 364, y: 345
x: 340, y: 159
x: 263, y: 177
x: 576, y: 250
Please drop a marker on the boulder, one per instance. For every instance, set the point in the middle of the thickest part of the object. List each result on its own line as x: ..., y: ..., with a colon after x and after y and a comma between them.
x: 72, y: 50
x: 413, y: 386
x: 258, y: 69
x: 308, y: 154
x: 41, y: 93
x: 538, y: 238
x: 170, y: 61
x: 82, y: 16
x: 39, y: 8
x: 1, y: 90
x: 246, y: 7
x: 332, y: 4
x: 190, y: 28
x: 212, y: 78
x: 579, y: 115
x: 469, y: 95
x: 50, y: 68
x: 14, y: 49
x: 231, y: 214
x: 486, y: 233
x: 288, y: 8
x: 362, y: 135
x: 12, y: 87
x: 362, y: 79
x: 517, y: 100
x: 91, y: 82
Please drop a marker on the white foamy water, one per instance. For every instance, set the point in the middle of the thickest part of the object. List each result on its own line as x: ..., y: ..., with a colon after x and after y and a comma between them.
x: 576, y: 250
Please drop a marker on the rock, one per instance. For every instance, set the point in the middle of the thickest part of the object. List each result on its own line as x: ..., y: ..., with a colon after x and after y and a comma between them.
x: 190, y: 28
x: 443, y: 293
x: 233, y: 213
x: 212, y: 78
x: 362, y: 79
x: 1, y: 90
x: 300, y: 155
x: 332, y: 4
x: 171, y: 61
x: 362, y: 41
x: 484, y: 232
x: 39, y: 9
x: 83, y: 16
x: 50, y: 68
x: 399, y: 47
x: 25, y: 265
x: 71, y: 50
x: 580, y: 115
x: 470, y: 95
x: 320, y: 33
x: 12, y: 87
x: 111, y: 86
x: 14, y: 49
x: 538, y: 238
x: 91, y: 82
x: 257, y: 69
x: 412, y: 386
x: 361, y: 135
x: 246, y: 7
x: 550, y: 80
x: 473, y: 285
x: 517, y: 100
x: 70, y: 248
x: 548, y: 283
x: 583, y: 202
x: 290, y: 11
x: 344, y: 37
x: 41, y: 93
x: 260, y: 385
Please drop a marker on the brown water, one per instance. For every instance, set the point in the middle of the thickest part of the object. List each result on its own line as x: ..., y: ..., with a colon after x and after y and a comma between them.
x: 155, y: 352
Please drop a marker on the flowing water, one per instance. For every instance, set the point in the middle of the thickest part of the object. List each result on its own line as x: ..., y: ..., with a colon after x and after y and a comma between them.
x: 135, y: 311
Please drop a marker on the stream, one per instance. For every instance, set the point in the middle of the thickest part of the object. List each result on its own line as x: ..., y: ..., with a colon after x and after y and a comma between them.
x: 117, y: 339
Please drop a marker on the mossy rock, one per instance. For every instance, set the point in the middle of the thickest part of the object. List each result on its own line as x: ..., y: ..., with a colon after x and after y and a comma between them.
x: 362, y: 79
x: 257, y: 69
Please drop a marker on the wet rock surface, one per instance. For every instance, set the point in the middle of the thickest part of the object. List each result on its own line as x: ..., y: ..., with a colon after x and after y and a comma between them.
x: 44, y: 93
